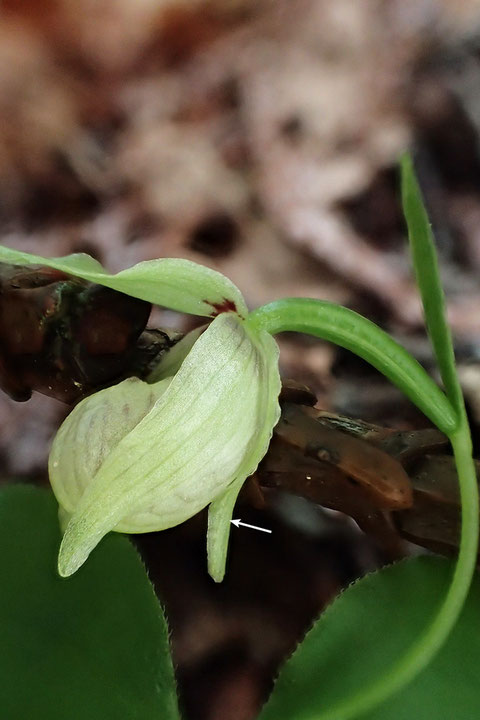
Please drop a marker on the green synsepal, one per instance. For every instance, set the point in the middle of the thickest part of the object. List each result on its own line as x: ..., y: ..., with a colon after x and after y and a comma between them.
x: 171, y: 282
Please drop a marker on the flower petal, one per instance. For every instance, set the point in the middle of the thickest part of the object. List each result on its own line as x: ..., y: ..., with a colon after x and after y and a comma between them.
x: 265, y: 392
x: 172, y: 360
x: 199, y: 437
x: 90, y: 433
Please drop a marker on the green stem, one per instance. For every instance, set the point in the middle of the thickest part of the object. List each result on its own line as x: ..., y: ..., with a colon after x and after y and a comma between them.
x: 354, y: 332
x: 359, y: 335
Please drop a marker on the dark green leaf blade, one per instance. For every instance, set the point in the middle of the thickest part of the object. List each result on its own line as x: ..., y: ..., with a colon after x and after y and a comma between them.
x: 425, y: 263
x: 359, y: 637
x: 93, y: 646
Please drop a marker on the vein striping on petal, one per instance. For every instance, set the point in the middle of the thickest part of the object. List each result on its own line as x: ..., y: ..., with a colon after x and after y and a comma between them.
x: 204, y: 432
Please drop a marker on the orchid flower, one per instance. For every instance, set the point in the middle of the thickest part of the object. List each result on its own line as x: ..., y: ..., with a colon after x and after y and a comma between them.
x: 139, y: 457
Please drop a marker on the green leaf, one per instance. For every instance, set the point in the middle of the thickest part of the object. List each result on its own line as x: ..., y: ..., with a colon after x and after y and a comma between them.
x: 94, y: 646
x: 427, y: 273
x: 171, y: 282
x: 360, y: 636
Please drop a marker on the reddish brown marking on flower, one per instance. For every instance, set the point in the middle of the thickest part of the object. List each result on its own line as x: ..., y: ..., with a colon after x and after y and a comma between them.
x: 225, y: 306
x: 52, y: 274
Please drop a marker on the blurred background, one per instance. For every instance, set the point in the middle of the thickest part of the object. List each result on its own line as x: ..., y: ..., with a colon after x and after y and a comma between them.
x: 261, y: 138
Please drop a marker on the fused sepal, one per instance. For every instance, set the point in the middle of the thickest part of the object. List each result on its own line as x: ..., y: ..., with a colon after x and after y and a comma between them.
x: 171, y: 282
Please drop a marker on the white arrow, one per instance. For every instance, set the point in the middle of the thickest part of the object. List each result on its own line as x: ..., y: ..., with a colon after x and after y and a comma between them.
x: 239, y: 523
